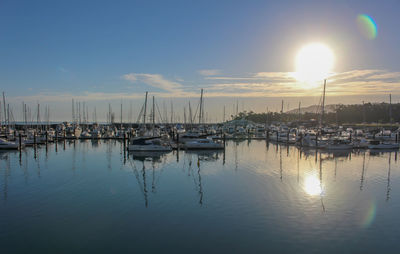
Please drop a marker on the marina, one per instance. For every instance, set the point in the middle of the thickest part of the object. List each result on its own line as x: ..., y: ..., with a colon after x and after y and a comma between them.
x: 199, y: 127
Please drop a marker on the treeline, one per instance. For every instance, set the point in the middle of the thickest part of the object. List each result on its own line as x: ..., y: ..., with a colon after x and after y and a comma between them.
x: 356, y: 113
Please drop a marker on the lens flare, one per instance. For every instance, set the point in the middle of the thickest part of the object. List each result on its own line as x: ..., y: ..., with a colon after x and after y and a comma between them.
x: 369, y: 216
x: 367, y: 26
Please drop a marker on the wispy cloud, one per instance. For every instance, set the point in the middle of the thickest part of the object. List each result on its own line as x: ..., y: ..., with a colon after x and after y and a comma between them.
x: 262, y: 85
x: 209, y: 72
x: 154, y: 80
x: 62, y: 69
x: 280, y: 84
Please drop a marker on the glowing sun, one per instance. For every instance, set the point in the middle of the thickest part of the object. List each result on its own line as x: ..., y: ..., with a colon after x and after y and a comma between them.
x: 314, y: 62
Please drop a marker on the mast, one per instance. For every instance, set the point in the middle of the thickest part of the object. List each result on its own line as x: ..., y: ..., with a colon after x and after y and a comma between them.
x: 95, y: 116
x: 5, y: 110
x: 153, y: 117
x: 390, y: 108
x: 38, y: 116
x: 190, y: 116
x: 201, y: 106
x: 73, y: 111
x: 323, y: 105
x: 172, y: 113
x: 8, y: 118
x: 121, y: 116
x: 364, y: 118
x: 145, y: 109
x: 79, y: 113
x: 184, y: 116
x: 223, y: 119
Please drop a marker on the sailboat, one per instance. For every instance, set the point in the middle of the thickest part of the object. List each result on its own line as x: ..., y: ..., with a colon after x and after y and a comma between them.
x: 148, y: 141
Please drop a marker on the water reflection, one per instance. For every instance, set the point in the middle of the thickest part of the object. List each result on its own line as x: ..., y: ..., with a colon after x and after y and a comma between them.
x: 244, y: 193
x: 312, y: 185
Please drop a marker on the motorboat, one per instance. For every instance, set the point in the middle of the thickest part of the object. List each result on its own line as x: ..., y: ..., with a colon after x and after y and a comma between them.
x: 378, y: 144
x: 339, y: 144
x: 204, y: 143
x: 7, y: 145
x: 148, y: 144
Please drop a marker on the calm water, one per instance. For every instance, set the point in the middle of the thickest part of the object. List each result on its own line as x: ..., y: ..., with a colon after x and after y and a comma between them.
x: 85, y: 196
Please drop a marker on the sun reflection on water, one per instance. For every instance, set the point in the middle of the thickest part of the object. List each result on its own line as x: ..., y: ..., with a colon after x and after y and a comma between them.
x: 312, y: 185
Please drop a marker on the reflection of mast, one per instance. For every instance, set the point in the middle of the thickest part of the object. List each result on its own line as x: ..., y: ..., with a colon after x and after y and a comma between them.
x: 388, y: 180
x: 320, y: 182
x: 362, y: 173
x: 200, y: 186
x: 298, y: 166
x: 153, y: 186
x: 144, y: 185
x: 323, y: 106
x: 136, y: 173
x: 236, y: 156
x: 280, y: 161
x: 6, y: 174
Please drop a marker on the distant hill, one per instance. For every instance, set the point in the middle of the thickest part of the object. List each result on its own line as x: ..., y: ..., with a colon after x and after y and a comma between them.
x: 313, y: 109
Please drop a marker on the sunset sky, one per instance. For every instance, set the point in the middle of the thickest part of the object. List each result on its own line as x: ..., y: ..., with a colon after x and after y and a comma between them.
x: 105, y: 52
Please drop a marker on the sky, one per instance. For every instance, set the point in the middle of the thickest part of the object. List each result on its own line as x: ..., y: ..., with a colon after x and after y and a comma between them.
x: 240, y: 52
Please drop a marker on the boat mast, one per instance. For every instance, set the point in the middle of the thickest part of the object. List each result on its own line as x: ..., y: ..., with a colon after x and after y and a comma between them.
x: 145, y: 109
x: 153, y: 117
x: 223, y: 119
x: 5, y: 110
x: 390, y: 108
x: 37, y: 117
x: 190, y: 116
x: 201, y: 106
x: 323, y: 105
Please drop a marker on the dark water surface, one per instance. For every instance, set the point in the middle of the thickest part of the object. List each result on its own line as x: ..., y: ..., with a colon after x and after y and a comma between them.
x: 84, y: 196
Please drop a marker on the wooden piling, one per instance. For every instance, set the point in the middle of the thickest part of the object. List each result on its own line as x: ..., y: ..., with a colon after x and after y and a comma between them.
x: 20, y: 141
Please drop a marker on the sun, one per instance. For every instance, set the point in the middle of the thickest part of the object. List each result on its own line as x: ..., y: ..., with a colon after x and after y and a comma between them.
x: 314, y: 63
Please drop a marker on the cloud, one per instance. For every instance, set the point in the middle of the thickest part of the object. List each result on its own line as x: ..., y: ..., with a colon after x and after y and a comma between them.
x: 154, y: 80
x: 62, y: 69
x: 209, y: 72
x: 261, y: 84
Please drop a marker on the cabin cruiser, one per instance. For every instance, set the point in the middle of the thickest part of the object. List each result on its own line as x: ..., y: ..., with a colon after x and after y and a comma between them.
x: 204, y: 143
x: 95, y: 133
x: 339, y: 144
x: 310, y: 140
x: 378, y: 144
x: 360, y: 143
x: 7, y: 145
x: 148, y: 144
x: 85, y: 135
x: 188, y: 136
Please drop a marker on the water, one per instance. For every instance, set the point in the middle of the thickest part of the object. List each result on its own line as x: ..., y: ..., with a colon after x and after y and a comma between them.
x: 84, y: 196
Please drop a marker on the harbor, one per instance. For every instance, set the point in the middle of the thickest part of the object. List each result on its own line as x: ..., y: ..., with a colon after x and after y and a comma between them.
x: 199, y: 127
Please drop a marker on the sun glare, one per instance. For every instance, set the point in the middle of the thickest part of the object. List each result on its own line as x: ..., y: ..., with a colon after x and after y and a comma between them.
x: 314, y: 62
x: 312, y: 185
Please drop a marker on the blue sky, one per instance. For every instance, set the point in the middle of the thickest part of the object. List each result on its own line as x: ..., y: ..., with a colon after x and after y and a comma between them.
x: 108, y: 51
